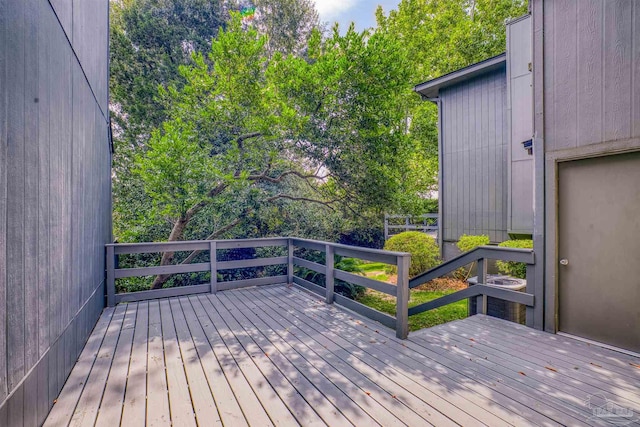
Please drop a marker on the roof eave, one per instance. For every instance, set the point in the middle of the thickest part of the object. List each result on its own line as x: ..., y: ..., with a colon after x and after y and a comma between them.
x: 431, y: 88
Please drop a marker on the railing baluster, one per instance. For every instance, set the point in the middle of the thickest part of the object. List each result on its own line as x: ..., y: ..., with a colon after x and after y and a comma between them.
x: 402, y: 296
x: 213, y: 259
x: 329, y: 275
x: 111, y: 280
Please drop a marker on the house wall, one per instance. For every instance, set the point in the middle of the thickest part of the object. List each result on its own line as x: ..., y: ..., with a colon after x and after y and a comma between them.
x: 591, y: 72
x: 587, y: 104
x: 474, y: 158
x: 520, y: 114
x: 54, y: 195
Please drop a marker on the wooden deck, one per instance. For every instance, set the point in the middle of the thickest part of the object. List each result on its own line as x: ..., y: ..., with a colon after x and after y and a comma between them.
x: 278, y: 355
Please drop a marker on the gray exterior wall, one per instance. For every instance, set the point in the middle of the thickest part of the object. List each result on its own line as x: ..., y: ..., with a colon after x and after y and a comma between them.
x: 54, y: 195
x: 586, y: 104
x: 474, y: 158
x: 520, y: 107
x: 591, y: 72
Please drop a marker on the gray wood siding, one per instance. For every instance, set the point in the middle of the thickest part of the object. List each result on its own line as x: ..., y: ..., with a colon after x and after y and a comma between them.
x: 591, y: 72
x: 474, y: 158
x: 54, y: 198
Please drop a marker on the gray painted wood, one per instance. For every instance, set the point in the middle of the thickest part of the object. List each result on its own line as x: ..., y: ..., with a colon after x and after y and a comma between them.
x: 182, y: 411
x: 161, y: 293
x: 201, y: 393
x: 134, y: 405
x: 329, y: 274
x: 157, y: 398
x: 474, y: 150
x: 267, y: 348
x: 402, y: 364
x: 365, y: 281
x: 314, y: 266
x: 54, y: 205
x: 3, y: 196
x: 257, y: 262
x: 251, y: 407
x: 590, y: 81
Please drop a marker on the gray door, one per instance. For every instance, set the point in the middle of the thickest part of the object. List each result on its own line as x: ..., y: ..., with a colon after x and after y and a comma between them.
x: 599, y: 249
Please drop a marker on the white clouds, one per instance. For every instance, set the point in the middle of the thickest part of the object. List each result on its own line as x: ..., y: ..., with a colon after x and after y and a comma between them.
x: 330, y: 9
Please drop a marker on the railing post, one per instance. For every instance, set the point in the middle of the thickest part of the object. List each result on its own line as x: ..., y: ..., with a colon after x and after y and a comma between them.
x: 402, y: 296
x: 111, y: 280
x: 213, y: 261
x: 329, y: 278
x: 386, y: 227
x: 290, y: 262
x: 481, y: 301
x: 533, y: 314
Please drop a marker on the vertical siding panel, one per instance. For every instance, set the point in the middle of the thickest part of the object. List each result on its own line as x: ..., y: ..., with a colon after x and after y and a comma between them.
x: 15, y: 197
x: 617, y: 60
x: 635, y: 107
x: 491, y: 160
x: 45, y: 30
x: 30, y: 171
x: 67, y: 149
x: 549, y: 48
x: 491, y: 134
x: 565, y: 74
x: 589, y: 100
x: 4, y: 89
x: 465, y: 159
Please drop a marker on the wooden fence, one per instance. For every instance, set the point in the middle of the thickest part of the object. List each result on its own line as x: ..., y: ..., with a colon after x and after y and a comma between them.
x: 330, y: 251
x: 401, y: 260
x: 394, y: 224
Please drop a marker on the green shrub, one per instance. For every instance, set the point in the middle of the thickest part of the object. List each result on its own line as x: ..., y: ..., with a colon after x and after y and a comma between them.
x: 515, y: 269
x: 468, y: 242
x: 424, y: 250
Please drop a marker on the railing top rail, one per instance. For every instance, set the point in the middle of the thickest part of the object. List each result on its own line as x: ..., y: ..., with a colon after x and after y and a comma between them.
x: 428, y: 215
x: 195, y: 242
x: 490, y: 252
x: 353, y: 248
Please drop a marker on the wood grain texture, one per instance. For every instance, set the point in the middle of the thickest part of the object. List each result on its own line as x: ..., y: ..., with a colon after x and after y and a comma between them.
x: 474, y: 151
x: 54, y: 205
x: 278, y: 354
x: 591, y: 69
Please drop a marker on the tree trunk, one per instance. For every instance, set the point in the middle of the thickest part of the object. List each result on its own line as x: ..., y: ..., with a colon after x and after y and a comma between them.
x: 167, y: 257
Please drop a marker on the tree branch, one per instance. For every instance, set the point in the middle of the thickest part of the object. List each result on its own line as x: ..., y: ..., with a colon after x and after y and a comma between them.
x: 303, y: 199
x: 215, y: 234
x: 264, y: 177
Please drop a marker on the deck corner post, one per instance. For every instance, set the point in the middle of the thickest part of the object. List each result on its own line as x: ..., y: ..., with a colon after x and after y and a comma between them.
x: 329, y: 274
x: 481, y: 301
x: 534, y: 315
x: 290, y: 261
x: 402, y: 296
x: 213, y: 259
x: 111, y: 281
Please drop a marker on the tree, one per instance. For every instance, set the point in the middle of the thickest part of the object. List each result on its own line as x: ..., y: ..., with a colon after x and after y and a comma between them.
x: 288, y: 24
x: 229, y: 140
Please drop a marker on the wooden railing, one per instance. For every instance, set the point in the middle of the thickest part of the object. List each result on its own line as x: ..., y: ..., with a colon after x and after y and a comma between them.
x: 425, y: 223
x: 330, y: 250
x: 481, y: 291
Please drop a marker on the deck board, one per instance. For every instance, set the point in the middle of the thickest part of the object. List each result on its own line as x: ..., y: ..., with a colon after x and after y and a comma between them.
x: 278, y: 355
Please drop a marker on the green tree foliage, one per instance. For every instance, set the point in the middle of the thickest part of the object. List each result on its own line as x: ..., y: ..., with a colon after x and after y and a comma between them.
x: 354, y: 92
x: 288, y: 24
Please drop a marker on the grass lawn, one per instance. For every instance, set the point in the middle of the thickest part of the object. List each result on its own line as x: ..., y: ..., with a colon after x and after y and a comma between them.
x: 387, y: 304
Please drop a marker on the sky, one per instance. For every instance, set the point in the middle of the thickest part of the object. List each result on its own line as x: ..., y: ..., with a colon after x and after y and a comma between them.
x: 361, y: 12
